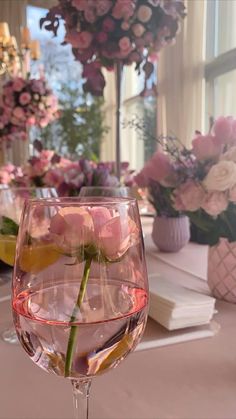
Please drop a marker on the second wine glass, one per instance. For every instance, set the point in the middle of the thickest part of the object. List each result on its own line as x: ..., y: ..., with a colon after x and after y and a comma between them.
x: 11, y: 205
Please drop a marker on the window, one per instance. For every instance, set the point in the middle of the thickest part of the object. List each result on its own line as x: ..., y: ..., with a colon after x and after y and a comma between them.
x: 220, y: 69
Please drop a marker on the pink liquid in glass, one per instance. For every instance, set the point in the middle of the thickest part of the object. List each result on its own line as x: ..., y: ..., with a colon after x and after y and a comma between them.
x: 108, y: 326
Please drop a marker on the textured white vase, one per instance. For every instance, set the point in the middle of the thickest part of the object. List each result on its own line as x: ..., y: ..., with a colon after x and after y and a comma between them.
x: 170, y: 234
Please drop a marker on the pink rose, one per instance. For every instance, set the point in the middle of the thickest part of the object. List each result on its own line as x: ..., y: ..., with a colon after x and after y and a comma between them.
x: 18, y: 84
x: 103, y: 7
x: 189, y: 196
x: 144, y: 13
x: 138, y: 29
x: 102, y: 37
x: 108, y: 24
x: 215, y: 203
x: 141, y: 179
x: 125, y: 45
x: 222, y: 129
x: 72, y: 227
x: 19, y: 113
x: 80, y: 5
x: 158, y: 167
x: 206, y: 147
x: 84, y: 39
x: 111, y: 235
x: 24, y: 98
x: 123, y: 9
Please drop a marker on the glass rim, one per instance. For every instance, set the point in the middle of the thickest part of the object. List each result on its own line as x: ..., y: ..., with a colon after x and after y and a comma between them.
x: 81, y: 200
x: 23, y: 188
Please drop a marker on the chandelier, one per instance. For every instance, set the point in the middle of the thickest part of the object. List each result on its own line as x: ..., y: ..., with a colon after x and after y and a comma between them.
x: 13, y: 59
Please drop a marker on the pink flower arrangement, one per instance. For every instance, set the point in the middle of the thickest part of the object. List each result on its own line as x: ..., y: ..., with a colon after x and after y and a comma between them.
x: 200, y: 182
x: 24, y: 103
x: 46, y: 168
x: 104, y: 32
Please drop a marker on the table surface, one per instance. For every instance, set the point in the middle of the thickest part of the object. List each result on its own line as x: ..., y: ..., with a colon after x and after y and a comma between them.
x: 190, y: 380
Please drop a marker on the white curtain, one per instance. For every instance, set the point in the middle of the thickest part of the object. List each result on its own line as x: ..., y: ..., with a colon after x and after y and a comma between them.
x: 181, y: 78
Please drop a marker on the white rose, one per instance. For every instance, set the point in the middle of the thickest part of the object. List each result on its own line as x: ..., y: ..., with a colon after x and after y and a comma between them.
x: 144, y: 13
x: 221, y: 176
x: 230, y: 155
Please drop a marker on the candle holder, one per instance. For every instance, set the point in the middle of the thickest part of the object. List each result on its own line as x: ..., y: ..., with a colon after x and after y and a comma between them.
x: 14, y: 60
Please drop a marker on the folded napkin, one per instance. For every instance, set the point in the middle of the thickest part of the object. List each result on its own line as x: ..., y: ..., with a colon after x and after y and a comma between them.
x: 175, y: 307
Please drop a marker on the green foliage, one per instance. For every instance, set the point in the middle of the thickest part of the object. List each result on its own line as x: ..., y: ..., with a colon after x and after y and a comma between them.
x: 213, y: 228
x: 80, y: 127
x: 8, y: 227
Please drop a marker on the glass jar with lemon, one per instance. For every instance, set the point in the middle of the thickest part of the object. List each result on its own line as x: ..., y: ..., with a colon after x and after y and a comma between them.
x: 11, y: 205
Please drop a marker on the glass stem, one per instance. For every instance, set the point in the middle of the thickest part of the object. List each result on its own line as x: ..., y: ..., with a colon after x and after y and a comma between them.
x: 81, y: 390
x: 73, y: 329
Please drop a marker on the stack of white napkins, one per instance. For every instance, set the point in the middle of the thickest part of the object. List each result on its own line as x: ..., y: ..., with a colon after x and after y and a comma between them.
x: 176, y: 307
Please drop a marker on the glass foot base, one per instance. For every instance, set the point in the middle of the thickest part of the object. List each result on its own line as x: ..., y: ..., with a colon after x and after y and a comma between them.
x: 10, y: 336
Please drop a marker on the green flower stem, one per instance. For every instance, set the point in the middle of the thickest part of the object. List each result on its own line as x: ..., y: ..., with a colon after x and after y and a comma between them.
x: 73, y: 329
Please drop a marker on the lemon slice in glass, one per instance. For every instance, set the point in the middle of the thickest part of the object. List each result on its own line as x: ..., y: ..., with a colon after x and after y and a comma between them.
x: 35, y: 258
x: 7, y: 249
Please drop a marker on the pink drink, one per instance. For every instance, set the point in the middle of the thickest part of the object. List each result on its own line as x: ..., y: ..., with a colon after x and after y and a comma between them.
x: 109, y: 325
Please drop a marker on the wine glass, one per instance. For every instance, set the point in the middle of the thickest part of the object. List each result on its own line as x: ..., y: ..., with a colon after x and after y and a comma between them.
x: 11, y: 205
x: 81, y: 312
x: 106, y: 191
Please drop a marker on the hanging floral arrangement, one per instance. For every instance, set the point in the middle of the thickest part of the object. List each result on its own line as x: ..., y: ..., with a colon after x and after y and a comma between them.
x: 104, y: 32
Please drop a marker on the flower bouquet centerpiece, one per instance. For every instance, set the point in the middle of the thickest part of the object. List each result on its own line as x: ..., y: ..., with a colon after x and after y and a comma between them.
x: 48, y: 169
x: 171, y: 227
x: 25, y: 103
x: 203, y: 186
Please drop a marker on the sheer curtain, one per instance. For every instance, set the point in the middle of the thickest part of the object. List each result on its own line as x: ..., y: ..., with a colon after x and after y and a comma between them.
x: 181, y: 78
x: 14, y: 13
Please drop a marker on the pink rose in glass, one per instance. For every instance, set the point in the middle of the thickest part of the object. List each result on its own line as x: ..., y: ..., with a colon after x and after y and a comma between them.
x: 72, y: 228
x: 189, y: 196
x: 109, y: 234
x: 215, y: 203
x: 24, y: 98
x: 206, y: 147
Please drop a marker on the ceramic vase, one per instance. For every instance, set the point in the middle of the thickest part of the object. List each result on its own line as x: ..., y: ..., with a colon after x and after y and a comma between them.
x: 170, y: 234
x: 221, y: 272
